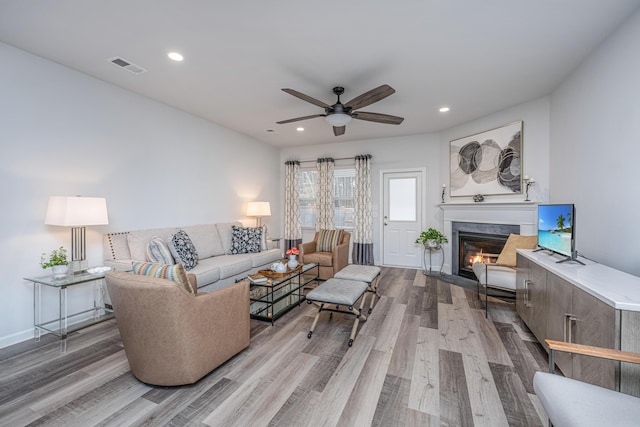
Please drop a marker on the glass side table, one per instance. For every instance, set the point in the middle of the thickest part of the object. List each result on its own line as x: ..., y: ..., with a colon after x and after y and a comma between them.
x: 62, y: 326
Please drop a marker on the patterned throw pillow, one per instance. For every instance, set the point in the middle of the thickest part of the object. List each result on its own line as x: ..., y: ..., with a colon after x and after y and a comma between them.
x: 245, y: 240
x: 183, y: 250
x: 175, y: 273
x: 159, y: 252
x: 328, y: 240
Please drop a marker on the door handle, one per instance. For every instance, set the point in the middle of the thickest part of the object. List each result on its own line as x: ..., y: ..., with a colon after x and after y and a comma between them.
x: 568, y: 334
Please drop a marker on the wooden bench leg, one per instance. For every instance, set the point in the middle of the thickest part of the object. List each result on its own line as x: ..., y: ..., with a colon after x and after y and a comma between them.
x: 359, y: 315
x: 315, y: 321
x: 373, y: 288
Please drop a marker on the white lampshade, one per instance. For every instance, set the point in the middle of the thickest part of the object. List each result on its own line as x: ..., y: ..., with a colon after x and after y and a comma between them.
x: 258, y: 209
x: 338, y: 119
x: 76, y: 211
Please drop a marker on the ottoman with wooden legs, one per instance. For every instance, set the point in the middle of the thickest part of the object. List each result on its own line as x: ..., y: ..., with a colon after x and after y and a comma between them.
x: 339, y: 293
x: 362, y: 273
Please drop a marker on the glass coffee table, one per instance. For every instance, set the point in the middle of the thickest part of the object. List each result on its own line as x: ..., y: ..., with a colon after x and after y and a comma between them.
x: 281, y: 292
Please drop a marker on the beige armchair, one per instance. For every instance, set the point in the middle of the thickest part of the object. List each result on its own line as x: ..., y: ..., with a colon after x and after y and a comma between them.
x: 172, y: 337
x: 330, y: 262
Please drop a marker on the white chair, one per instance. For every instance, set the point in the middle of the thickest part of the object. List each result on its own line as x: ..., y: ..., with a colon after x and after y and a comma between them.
x: 569, y: 402
x: 502, y: 274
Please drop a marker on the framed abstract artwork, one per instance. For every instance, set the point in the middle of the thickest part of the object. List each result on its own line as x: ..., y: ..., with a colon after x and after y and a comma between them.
x: 487, y: 163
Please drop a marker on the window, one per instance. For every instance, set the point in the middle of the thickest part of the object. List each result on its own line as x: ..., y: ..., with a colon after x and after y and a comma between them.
x: 344, y: 184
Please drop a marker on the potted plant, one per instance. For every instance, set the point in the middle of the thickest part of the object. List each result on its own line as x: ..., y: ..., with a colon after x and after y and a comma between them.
x: 432, y: 238
x: 57, y: 262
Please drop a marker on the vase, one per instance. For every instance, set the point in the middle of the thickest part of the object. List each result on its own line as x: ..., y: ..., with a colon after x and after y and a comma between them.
x: 293, y: 262
x: 59, y: 271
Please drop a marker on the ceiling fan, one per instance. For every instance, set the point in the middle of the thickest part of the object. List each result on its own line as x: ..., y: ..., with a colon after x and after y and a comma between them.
x: 339, y: 115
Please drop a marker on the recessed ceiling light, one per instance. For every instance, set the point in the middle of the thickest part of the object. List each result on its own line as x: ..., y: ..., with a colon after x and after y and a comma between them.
x: 300, y: 129
x: 444, y: 109
x: 175, y: 56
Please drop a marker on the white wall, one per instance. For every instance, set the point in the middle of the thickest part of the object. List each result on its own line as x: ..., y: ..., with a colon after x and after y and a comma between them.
x: 417, y: 151
x: 595, y: 150
x: 65, y: 133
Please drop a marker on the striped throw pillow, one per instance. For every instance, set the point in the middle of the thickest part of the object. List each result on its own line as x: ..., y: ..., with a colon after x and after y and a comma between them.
x: 159, y: 252
x: 328, y: 240
x: 176, y: 273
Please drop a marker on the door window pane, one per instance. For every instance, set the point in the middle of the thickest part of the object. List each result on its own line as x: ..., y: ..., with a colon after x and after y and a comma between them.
x: 402, y: 199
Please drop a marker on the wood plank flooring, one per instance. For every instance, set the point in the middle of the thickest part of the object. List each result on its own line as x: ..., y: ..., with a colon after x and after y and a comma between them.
x: 426, y: 356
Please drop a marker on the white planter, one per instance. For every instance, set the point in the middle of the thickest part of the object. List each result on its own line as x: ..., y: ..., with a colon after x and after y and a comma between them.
x: 59, y: 271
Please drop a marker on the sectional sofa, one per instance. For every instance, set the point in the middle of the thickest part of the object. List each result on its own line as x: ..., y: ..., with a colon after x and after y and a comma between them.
x: 215, y: 269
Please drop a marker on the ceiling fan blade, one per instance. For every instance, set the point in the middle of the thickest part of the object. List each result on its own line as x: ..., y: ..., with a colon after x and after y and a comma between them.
x: 339, y: 130
x: 377, y: 117
x: 368, y: 98
x: 306, y: 98
x: 297, y: 119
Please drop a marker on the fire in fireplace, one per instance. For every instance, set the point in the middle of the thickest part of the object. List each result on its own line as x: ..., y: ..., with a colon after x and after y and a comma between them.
x: 476, y: 247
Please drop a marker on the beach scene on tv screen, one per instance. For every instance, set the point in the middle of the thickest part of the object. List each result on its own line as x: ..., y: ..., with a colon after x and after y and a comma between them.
x: 554, y: 228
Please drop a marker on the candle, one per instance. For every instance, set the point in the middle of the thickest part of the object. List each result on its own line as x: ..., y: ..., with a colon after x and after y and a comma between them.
x: 526, y: 177
x: 444, y: 185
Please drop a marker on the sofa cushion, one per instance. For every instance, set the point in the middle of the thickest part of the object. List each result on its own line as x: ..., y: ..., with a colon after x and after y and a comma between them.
x: 265, y: 257
x: 324, y: 259
x: 328, y: 240
x: 174, y: 273
x: 224, y: 230
x: 182, y: 249
x: 230, y: 265
x: 158, y: 251
x: 515, y: 241
x: 206, y: 239
x: 245, y: 240
x: 206, y: 271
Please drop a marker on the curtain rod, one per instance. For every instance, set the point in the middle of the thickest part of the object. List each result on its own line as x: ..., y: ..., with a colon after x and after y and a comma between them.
x: 335, y: 158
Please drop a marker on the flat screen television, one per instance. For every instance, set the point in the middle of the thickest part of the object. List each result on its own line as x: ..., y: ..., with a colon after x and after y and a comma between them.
x: 556, y: 230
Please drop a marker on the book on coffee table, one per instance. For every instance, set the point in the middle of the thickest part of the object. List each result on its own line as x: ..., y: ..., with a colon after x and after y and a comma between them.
x: 257, y: 279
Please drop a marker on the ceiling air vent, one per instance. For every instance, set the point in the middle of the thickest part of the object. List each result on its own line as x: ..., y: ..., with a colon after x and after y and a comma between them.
x: 126, y: 65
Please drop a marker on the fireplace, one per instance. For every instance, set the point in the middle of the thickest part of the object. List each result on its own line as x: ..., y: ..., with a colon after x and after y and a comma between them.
x: 473, y: 242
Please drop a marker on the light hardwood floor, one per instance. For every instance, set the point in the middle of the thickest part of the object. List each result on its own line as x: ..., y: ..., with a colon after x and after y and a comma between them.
x: 425, y: 357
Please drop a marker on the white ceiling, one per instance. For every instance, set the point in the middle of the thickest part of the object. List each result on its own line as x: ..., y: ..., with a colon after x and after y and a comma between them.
x: 475, y: 56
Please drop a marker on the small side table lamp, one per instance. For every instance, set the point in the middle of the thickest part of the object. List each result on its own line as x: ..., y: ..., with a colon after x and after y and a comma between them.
x: 77, y: 212
x: 258, y: 209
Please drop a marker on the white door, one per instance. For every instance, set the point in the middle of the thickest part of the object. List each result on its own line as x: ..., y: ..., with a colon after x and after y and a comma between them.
x: 402, y: 218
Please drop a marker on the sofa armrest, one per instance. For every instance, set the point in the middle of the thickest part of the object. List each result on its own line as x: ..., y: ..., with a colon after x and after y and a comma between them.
x: 119, y: 264
x: 340, y: 257
x: 307, y: 248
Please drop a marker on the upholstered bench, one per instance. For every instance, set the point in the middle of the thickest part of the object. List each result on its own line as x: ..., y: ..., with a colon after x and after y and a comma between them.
x: 339, y: 292
x: 362, y: 273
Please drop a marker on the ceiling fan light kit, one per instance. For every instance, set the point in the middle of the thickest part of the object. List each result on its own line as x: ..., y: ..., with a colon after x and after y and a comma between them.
x: 338, y: 119
x: 339, y: 115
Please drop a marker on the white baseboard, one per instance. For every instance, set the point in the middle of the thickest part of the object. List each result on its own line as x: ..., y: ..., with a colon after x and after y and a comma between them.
x: 16, y: 338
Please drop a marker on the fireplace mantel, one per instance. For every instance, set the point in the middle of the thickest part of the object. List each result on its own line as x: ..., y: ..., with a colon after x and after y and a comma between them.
x: 524, y: 214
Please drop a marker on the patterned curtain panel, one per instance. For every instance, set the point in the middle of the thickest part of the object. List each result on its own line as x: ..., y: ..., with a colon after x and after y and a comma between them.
x: 324, y: 195
x: 363, y: 222
x: 292, y: 229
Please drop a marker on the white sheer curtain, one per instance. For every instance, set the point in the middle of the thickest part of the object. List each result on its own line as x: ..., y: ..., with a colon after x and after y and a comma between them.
x: 324, y: 195
x: 363, y: 222
x: 292, y: 229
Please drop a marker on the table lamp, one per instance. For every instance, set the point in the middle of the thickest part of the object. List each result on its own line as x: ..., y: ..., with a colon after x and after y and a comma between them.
x: 77, y: 212
x: 258, y: 209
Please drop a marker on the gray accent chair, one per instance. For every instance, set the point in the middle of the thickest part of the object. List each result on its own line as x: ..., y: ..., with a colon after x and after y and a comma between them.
x: 568, y: 402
